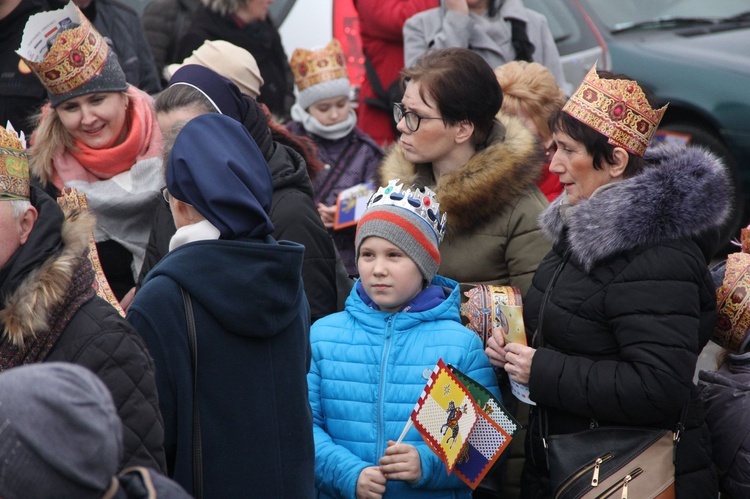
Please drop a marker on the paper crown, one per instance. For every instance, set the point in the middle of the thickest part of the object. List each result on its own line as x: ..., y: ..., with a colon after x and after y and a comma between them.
x: 66, y: 52
x: 618, y: 109
x: 314, y: 67
x: 732, y: 329
x: 14, y: 165
x: 421, y: 203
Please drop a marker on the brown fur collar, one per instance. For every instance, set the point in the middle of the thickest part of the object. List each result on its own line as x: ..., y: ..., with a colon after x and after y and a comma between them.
x: 26, y: 311
x: 493, y: 179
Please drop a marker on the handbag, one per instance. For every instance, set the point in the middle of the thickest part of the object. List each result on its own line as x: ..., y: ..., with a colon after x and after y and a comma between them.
x: 609, y: 461
x: 612, y: 461
x: 197, y: 446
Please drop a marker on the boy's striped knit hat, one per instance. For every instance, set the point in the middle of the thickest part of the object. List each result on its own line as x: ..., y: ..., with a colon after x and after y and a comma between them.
x: 408, y: 219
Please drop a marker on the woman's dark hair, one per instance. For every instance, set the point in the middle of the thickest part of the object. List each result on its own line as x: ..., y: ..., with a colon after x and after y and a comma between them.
x: 463, y: 86
x: 597, y: 144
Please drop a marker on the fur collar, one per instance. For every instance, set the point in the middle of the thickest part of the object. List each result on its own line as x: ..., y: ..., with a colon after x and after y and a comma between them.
x: 491, y: 180
x: 26, y: 311
x: 682, y: 193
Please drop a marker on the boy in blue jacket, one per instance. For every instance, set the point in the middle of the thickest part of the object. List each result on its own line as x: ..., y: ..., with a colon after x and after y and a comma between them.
x: 370, y: 362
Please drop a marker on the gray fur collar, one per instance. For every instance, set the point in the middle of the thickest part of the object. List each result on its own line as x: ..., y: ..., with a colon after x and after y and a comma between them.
x: 26, y: 311
x: 493, y: 179
x: 681, y: 193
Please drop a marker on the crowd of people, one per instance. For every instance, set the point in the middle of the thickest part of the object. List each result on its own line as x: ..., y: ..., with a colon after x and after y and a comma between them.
x: 202, y: 326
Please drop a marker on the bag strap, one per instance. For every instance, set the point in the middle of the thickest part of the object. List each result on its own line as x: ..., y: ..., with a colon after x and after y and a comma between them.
x: 197, y: 449
x: 375, y: 84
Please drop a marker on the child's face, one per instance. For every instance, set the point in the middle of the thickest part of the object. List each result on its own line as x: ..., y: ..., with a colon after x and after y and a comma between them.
x: 331, y: 111
x: 388, y: 275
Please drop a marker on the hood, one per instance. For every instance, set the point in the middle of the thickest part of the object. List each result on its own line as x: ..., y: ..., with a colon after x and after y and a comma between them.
x: 493, y: 179
x: 684, y: 192
x: 43, y: 268
x: 252, y: 288
x: 289, y: 169
x: 373, y: 320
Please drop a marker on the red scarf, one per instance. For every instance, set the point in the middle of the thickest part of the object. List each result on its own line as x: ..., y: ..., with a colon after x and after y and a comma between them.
x: 143, y: 141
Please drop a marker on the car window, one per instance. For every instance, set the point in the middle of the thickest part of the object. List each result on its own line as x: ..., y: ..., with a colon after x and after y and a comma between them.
x: 568, y: 27
x: 615, y: 14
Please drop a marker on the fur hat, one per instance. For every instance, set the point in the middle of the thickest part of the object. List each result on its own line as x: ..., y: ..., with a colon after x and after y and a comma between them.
x: 61, y: 435
x: 732, y: 281
x: 14, y: 165
x: 78, y: 61
x: 409, y: 219
x: 227, y: 59
x: 319, y: 74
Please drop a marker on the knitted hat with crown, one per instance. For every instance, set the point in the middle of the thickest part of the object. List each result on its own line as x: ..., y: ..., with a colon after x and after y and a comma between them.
x: 319, y: 74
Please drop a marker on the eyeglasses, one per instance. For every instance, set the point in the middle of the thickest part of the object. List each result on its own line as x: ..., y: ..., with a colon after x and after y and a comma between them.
x: 165, y: 194
x: 411, y: 118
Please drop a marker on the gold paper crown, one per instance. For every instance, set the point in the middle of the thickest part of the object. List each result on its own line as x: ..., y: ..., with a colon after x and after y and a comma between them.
x: 14, y: 165
x: 618, y: 109
x: 76, y: 56
x: 313, y: 67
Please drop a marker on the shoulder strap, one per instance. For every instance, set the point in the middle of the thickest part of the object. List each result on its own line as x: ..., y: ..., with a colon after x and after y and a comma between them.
x: 372, y: 75
x: 197, y: 449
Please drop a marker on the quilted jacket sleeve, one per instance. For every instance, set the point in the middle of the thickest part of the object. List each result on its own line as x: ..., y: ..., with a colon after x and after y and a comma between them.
x: 653, y: 307
x: 112, y: 349
x: 336, y: 468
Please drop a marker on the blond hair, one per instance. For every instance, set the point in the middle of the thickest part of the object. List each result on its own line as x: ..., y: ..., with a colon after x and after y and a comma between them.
x: 530, y: 90
x: 49, y: 138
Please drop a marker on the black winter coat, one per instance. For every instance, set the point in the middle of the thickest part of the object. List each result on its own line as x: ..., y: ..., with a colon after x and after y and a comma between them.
x: 261, y: 39
x: 631, y: 309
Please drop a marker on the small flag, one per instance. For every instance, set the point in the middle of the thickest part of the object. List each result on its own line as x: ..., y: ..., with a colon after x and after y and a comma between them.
x: 491, y: 436
x: 445, y: 415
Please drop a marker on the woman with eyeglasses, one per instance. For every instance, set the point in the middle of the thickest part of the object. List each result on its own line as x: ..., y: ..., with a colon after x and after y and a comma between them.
x: 483, y: 170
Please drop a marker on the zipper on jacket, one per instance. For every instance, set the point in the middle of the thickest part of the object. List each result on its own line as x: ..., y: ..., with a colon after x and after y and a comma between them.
x: 585, y: 470
x: 622, y: 483
x: 381, y: 388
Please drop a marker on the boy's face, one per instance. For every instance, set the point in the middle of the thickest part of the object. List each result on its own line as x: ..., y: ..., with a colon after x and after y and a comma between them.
x: 388, y: 275
x: 331, y: 111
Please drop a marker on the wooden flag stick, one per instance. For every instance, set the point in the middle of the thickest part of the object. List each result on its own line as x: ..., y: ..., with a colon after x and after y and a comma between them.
x: 409, y: 424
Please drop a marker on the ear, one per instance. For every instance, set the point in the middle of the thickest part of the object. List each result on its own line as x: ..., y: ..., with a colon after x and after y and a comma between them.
x: 617, y: 167
x: 464, y: 131
x: 26, y: 223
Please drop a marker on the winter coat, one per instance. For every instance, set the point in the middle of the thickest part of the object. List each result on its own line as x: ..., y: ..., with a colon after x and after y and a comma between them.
x: 143, y: 483
x: 726, y: 399
x: 121, y: 24
x: 294, y: 217
x: 380, y: 23
x: 349, y: 161
x: 368, y: 370
x: 164, y: 23
x: 261, y: 39
x: 489, y: 37
x: 492, y: 204
x: 96, y: 337
x: 632, y: 308
x: 252, y: 324
x: 21, y: 94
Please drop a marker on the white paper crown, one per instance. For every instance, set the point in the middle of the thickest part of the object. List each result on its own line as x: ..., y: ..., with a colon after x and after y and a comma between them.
x: 422, y: 203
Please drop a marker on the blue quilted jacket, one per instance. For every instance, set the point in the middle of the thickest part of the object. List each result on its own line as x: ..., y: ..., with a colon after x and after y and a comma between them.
x: 368, y: 370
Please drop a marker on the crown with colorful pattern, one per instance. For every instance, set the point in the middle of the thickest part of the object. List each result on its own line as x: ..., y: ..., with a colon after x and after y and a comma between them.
x: 422, y: 203
x: 78, y: 60
x: 618, y: 109
x: 14, y: 165
x: 319, y: 74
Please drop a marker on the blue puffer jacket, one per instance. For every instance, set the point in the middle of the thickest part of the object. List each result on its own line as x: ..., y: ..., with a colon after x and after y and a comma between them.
x: 368, y: 370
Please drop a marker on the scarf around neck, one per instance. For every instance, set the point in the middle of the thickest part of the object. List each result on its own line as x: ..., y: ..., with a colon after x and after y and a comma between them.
x: 143, y: 141
x: 332, y: 132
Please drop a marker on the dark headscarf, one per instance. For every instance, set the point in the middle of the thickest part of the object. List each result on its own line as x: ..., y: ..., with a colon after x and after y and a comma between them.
x: 217, y: 167
x: 223, y: 94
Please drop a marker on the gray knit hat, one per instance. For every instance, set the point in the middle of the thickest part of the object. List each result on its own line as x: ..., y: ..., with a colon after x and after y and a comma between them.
x: 409, y: 219
x: 60, y: 435
x: 79, y: 61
